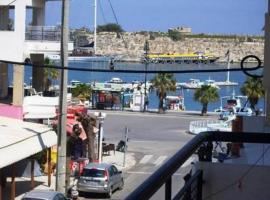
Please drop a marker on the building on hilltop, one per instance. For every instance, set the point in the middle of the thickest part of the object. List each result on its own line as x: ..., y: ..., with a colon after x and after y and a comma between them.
x: 182, y: 30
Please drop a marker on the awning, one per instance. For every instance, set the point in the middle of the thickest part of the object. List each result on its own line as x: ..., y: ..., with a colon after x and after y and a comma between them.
x: 19, y: 139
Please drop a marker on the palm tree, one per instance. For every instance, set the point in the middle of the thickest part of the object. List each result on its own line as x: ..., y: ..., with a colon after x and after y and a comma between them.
x: 82, y: 91
x: 163, y: 82
x: 253, y: 89
x: 50, y: 74
x: 205, y: 95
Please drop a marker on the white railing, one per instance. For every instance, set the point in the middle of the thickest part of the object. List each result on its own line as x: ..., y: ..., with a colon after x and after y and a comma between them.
x: 48, y: 33
x: 195, y: 127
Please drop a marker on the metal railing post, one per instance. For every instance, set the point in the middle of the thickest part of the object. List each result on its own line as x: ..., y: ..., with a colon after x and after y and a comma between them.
x: 168, y: 189
x: 199, y: 186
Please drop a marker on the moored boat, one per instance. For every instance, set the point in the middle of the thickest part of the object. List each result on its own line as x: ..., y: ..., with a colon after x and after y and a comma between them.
x: 195, y: 57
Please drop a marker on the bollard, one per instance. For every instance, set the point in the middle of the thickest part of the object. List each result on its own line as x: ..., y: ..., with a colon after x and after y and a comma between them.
x: 237, y: 126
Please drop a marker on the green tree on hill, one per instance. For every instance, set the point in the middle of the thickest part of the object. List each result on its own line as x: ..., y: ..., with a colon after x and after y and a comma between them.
x: 111, y: 27
x: 163, y: 82
x: 205, y: 95
x: 253, y: 89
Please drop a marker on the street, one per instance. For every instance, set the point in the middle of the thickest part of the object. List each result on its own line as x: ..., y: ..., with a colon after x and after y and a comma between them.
x: 152, y: 138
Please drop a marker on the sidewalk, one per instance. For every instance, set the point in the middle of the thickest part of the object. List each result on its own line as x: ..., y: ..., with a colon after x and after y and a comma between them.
x: 23, y: 184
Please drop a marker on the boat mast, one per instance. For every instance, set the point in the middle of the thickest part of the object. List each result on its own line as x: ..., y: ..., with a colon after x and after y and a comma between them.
x: 228, y: 66
x: 95, y: 26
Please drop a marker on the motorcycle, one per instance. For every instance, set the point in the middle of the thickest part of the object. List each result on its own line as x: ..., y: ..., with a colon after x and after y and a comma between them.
x: 73, y: 193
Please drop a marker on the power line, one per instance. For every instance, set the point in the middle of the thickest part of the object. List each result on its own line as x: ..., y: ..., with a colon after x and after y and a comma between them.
x: 90, y: 69
x: 102, y: 12
x: 125, y: 43
x: 11, y: 2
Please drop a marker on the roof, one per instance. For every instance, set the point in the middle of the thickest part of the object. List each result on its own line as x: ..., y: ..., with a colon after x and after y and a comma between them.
x: 19, y: 139
x: 98, y: 165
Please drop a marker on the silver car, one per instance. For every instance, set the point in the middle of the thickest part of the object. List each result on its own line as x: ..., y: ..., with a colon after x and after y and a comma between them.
x: 44, y: 195
x: 100, y: 178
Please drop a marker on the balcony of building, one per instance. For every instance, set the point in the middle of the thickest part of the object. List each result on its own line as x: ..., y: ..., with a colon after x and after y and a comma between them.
x: 241, y: 173
x: 23, y: 23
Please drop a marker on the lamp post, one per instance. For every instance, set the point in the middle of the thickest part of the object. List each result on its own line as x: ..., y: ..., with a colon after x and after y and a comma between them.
x: 146, y: 50
x: 100, y: 116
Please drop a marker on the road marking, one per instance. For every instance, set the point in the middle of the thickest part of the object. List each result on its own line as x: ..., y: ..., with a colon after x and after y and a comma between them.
x: 160, y: 160
x: 149, y: 173
x: 145, y: 159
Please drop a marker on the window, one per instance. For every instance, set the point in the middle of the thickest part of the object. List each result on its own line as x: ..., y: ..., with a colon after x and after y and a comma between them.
x: 7, y: 16
x: 93, y: 173
x: 59, y: 197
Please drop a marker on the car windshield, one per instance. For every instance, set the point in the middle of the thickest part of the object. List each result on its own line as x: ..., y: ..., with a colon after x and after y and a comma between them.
x: 93, y: 173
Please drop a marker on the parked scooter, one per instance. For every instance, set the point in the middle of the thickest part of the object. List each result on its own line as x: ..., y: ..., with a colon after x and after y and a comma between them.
x: 73, y: 193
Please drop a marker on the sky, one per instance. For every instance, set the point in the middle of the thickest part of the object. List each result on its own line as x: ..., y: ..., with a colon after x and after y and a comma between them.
x: 203, y: 16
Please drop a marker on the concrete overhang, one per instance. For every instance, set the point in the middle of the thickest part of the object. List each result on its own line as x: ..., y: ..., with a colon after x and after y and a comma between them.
x: 19, y: 140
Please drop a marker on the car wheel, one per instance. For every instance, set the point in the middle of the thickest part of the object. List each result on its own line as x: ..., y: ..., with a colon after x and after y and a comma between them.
x: 121, y: 185
x: 109, y: 194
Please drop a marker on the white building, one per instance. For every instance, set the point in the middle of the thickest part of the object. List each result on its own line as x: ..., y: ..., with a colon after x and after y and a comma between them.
x: 20, y: 41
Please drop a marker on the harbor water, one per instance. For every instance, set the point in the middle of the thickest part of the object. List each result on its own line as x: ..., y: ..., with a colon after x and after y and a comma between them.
x: 188, y: 94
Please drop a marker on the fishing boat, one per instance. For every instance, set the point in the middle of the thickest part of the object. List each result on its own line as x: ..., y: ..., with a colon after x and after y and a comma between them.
x: 235, y: 105
x: 195, y: 57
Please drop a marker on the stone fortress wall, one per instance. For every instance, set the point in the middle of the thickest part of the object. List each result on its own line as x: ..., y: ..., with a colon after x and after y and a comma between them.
x: 130, y: 46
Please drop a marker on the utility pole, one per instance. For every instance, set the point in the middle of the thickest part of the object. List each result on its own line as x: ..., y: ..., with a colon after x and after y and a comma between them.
x: 125, y: 150
x: 95, y: 26
x: 61, y: 178
x: 146, y: 49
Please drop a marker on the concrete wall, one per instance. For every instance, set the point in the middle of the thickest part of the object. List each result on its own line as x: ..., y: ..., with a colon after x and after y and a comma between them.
x: 223, y: 181
x: 37, y: 47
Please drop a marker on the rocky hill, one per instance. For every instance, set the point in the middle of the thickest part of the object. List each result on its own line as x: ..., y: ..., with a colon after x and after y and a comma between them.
x: 129, y: 46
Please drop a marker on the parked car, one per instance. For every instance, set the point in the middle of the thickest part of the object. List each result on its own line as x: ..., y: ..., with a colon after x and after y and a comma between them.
x: 44, y: 195
x: 100, y: 178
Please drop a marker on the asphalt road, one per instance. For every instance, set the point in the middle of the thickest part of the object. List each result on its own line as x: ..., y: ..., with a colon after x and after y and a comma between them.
x: 153, y: 138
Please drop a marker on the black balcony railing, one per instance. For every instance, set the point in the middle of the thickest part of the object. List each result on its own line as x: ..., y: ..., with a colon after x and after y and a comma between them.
x: 43, y: 33
x: 193, y: 187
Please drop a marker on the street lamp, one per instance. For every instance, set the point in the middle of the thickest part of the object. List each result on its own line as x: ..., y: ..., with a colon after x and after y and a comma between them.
x: 100, y: 116
x: 146, y: 50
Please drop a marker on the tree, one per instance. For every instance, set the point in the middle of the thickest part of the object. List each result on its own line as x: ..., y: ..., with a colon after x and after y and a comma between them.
x: 88, y: 124
x: 175, y: 35
x: 253, y: 89
x: 163, y: 82
x: 110, y: 27
x: 205, y: 95
x: 82, y: 91
x: 50, y: 74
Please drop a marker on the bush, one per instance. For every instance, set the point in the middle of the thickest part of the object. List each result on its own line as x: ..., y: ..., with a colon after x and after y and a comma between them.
x: 175, y: 35
x: 110, y: 28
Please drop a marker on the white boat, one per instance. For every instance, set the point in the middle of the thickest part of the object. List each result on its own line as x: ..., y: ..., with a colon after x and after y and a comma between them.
x: 116, y: 80
x: 234, y: 106
x: 192, y: 84
x: 211, y: 82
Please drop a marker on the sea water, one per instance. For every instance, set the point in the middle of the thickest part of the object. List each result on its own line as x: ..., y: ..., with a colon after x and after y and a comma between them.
x: 188, y: 94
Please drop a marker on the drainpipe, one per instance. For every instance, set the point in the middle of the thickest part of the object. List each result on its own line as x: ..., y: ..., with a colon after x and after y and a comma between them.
x: 266, y: 70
